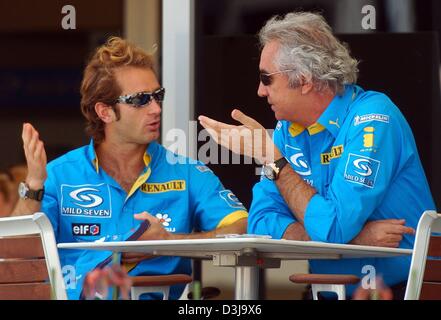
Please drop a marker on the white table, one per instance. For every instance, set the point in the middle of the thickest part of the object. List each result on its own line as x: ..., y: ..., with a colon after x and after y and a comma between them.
x: 246, y: 255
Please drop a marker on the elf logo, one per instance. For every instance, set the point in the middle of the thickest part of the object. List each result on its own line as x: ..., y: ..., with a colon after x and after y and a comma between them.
x: 86, y: 229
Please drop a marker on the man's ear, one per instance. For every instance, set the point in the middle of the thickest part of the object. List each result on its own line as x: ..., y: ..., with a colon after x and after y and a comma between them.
x: 307, y: 87
x: 105, y: 112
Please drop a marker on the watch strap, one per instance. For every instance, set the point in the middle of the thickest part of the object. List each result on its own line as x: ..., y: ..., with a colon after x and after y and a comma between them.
x: 35, y: 194
x: 280, y: 163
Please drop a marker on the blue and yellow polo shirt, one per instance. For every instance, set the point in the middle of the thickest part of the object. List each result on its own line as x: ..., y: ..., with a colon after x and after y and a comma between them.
x: 361, y: 158
x: 84, y: 203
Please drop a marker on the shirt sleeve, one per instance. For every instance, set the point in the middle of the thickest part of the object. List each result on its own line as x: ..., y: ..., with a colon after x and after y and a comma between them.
x: 373, y: 155
x: 279, y: 135
x: 213, y: 205
x: 49, y: 204
x: 269, y: 214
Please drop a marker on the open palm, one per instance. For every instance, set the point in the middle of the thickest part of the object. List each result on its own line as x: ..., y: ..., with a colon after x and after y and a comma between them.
x: 250, y: 138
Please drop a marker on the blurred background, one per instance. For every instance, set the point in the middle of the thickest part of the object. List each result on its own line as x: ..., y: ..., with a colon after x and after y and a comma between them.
x: 41, y: 66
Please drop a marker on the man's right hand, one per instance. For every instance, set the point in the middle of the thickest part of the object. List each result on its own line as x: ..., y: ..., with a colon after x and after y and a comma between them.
x: 383, y: 233
x: 35, y: 157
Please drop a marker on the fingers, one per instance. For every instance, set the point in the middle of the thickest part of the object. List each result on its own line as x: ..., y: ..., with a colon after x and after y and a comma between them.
x: 134, y: 257
x: 29, y: 141
x: 244, y: 119
x: 397, y: 226
x: 39, y: 150
x: 26, y: 133
x: 32, y: 145
x: 394, y: 221
x: 399, y: 229
x: 408, y: 230
x: 209, y: 123
x: 394, y: 238
x: 391, y: 244
x: 145, y: 216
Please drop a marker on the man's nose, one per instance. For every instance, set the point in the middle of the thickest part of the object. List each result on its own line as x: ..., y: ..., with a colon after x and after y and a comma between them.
x: 262, y: 90
x: 154, y: 107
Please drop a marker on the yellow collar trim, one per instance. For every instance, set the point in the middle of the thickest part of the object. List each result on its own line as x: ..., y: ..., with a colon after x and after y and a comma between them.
x: 315, y: 128
x: 95, y: 164
x: 295, y: 129
x: 143, y: 177
x: 139, y: 182
x: 147, y: 159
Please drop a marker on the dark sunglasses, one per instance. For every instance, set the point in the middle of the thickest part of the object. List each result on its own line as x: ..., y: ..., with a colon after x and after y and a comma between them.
x: 267, y: 79
x: 141, y: 99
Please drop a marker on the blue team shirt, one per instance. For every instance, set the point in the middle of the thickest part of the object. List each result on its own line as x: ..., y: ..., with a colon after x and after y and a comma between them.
x: 84, y: 203
x: 361, y: 158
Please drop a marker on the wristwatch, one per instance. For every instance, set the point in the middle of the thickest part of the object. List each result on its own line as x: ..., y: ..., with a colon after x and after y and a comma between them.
x: 26, y: 193
x: 272, y: 170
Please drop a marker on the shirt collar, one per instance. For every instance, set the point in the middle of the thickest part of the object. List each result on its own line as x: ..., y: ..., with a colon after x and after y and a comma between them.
x: 148, y: 155
x: 334, y: 115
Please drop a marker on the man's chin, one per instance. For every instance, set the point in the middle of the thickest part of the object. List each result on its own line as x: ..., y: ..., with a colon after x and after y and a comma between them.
x: 278, y: 116
x: 151, y: 136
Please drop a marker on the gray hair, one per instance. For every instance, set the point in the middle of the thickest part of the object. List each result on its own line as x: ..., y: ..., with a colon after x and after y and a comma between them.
x: 308, y: 47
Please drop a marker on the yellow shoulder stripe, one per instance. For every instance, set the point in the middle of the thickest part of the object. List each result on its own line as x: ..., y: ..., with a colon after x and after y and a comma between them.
x: 232, y: 218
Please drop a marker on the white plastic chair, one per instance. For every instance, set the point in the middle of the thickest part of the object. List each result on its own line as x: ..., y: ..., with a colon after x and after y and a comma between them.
x: 38, y: 224
x: 424, y: 280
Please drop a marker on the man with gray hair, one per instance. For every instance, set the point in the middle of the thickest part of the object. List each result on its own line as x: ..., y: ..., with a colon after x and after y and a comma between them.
x: 344, y: 160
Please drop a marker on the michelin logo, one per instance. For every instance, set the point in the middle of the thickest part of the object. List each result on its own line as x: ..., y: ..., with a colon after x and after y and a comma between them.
x: 361, y: 170
x: 91, y: 201
x: 371, y: 117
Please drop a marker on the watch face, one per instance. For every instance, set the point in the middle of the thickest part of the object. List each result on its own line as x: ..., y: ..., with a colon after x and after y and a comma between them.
x: 268, y: 172
x: 22, y: 190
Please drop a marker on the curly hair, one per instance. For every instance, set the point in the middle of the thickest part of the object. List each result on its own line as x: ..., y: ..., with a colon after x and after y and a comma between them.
x: 99, y: 83
x: 308, y: 47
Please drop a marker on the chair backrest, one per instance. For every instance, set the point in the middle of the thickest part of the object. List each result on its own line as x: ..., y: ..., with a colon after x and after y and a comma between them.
x: 424, y: 280
x: 29, y: 262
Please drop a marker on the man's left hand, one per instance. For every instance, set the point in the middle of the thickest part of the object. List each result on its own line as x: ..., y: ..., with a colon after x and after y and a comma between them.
x: 250, y: 138
x: 155, y: 231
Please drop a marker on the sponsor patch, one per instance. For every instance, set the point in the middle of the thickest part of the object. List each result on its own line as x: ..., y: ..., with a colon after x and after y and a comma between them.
x: 174, y: 185
x: 336, y: 152
x: 86, y: 229
x: 279, y: 125
x: 335, y: 123
x: 361, y: 170
x: 297, y: 159
x: 368, y: 137
x: 371, y: 117
x: 92, y: 201
x: 165, y: 220
x: 203, y: 169
x: 231, y: 199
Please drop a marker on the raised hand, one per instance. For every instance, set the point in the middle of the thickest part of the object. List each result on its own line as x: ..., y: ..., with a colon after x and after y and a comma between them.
x: 35, y: 157
x: 383, y: 233
x: 250, y: 138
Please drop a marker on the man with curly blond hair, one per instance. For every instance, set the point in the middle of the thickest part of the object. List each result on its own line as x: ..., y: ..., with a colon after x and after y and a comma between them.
x: 344, y: 161
x: 124, y: 185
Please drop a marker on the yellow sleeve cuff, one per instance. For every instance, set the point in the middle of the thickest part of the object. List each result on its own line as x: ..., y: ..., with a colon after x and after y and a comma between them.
x: 232, y: 218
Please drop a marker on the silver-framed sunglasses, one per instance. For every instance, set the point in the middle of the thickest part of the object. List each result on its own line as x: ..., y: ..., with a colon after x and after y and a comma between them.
x: 141, y: 99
